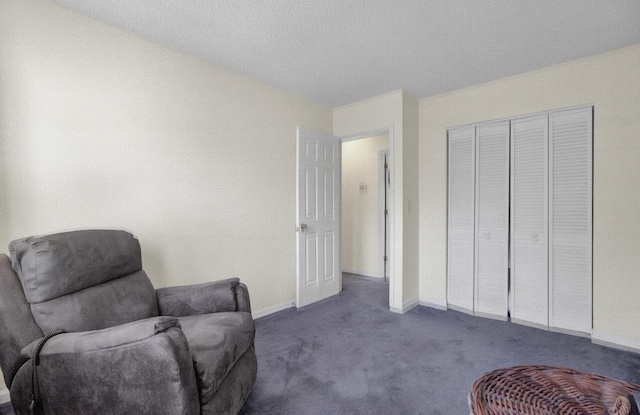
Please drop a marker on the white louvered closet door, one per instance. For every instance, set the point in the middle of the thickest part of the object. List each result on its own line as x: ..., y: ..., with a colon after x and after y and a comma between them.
x: 570, y: 214
x: 461, y: 187
x: 529, y: 220
x: 492, y: 220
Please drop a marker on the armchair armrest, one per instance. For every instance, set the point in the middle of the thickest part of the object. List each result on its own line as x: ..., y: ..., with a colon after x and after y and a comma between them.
x: 90, y: 341
x: 140, y: 367
x: 242, y: 298
x: 211, y: 297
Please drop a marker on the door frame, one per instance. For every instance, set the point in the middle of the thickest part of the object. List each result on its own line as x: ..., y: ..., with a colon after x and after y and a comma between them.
x: 392, y: 256
x: 383, y: 202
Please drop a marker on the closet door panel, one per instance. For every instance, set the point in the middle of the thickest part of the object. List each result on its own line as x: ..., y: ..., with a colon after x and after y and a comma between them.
x: 461, y: 195
x: 570, y: 242
x: 529, y: 220
x: 492, y: 220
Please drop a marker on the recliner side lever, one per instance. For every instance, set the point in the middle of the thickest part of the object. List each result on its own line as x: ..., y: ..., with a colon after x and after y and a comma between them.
x: 35, y: 407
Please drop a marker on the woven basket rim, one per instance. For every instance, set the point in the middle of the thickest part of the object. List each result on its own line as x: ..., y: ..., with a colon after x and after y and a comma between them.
x: 548, y: 389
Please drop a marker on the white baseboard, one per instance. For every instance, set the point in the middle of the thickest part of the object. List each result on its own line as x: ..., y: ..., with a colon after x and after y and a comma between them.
x: 406, y: 306
x: 433, y: 303
x: 616, y: 342
x: 4, y: 396
x: 270, y: 310
x: 570, y: 332
x: 530, y: 324
x: 491, y: 316
x: 459, y: 309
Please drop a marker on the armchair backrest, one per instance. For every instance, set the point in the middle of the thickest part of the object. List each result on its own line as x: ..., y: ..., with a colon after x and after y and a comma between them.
x: 83, y: 280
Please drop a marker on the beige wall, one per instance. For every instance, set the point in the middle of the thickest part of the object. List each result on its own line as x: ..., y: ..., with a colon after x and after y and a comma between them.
x: 611, y: 82
x: 361, y: 206
x: 100, y: 128
x: 399, y: 111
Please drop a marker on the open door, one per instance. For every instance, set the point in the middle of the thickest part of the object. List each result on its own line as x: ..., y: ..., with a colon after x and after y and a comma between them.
x: 318, y: 217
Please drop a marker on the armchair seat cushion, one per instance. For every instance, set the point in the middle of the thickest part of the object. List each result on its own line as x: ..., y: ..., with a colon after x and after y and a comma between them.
x: 216, y: 342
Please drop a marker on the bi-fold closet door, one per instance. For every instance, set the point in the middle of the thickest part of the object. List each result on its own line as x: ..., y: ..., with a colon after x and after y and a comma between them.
x: 527, y: 245
x: 551, y: 220
x: 478, y: 211
x: 529, y: 220
x: 492, y: 220
x: 461, y: 218
x: 571, y: 220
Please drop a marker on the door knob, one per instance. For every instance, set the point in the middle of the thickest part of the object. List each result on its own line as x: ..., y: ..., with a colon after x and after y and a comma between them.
x: 302, y: 227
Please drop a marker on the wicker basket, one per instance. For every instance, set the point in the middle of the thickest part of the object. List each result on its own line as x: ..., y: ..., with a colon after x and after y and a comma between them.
x: 549, y: 390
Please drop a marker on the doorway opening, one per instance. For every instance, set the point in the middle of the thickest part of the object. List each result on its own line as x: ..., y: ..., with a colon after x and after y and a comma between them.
x: 319, y: 226
x: 366, y: 248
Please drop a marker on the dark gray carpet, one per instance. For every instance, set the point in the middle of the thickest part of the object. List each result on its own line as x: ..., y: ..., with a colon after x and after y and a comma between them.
x: 351, y: 355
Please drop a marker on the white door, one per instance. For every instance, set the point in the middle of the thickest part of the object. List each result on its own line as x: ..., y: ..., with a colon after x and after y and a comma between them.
x: 318, y: 217
x: 461, y: 229
x: 529, y: 220
x: 570, y: 231
x: 492, y: 220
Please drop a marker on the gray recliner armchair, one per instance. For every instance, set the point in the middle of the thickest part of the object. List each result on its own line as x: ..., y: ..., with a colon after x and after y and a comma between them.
x: 126, y: 348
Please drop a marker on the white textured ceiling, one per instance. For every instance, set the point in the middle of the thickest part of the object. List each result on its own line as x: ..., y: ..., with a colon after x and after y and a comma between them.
x: 336, y: 52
